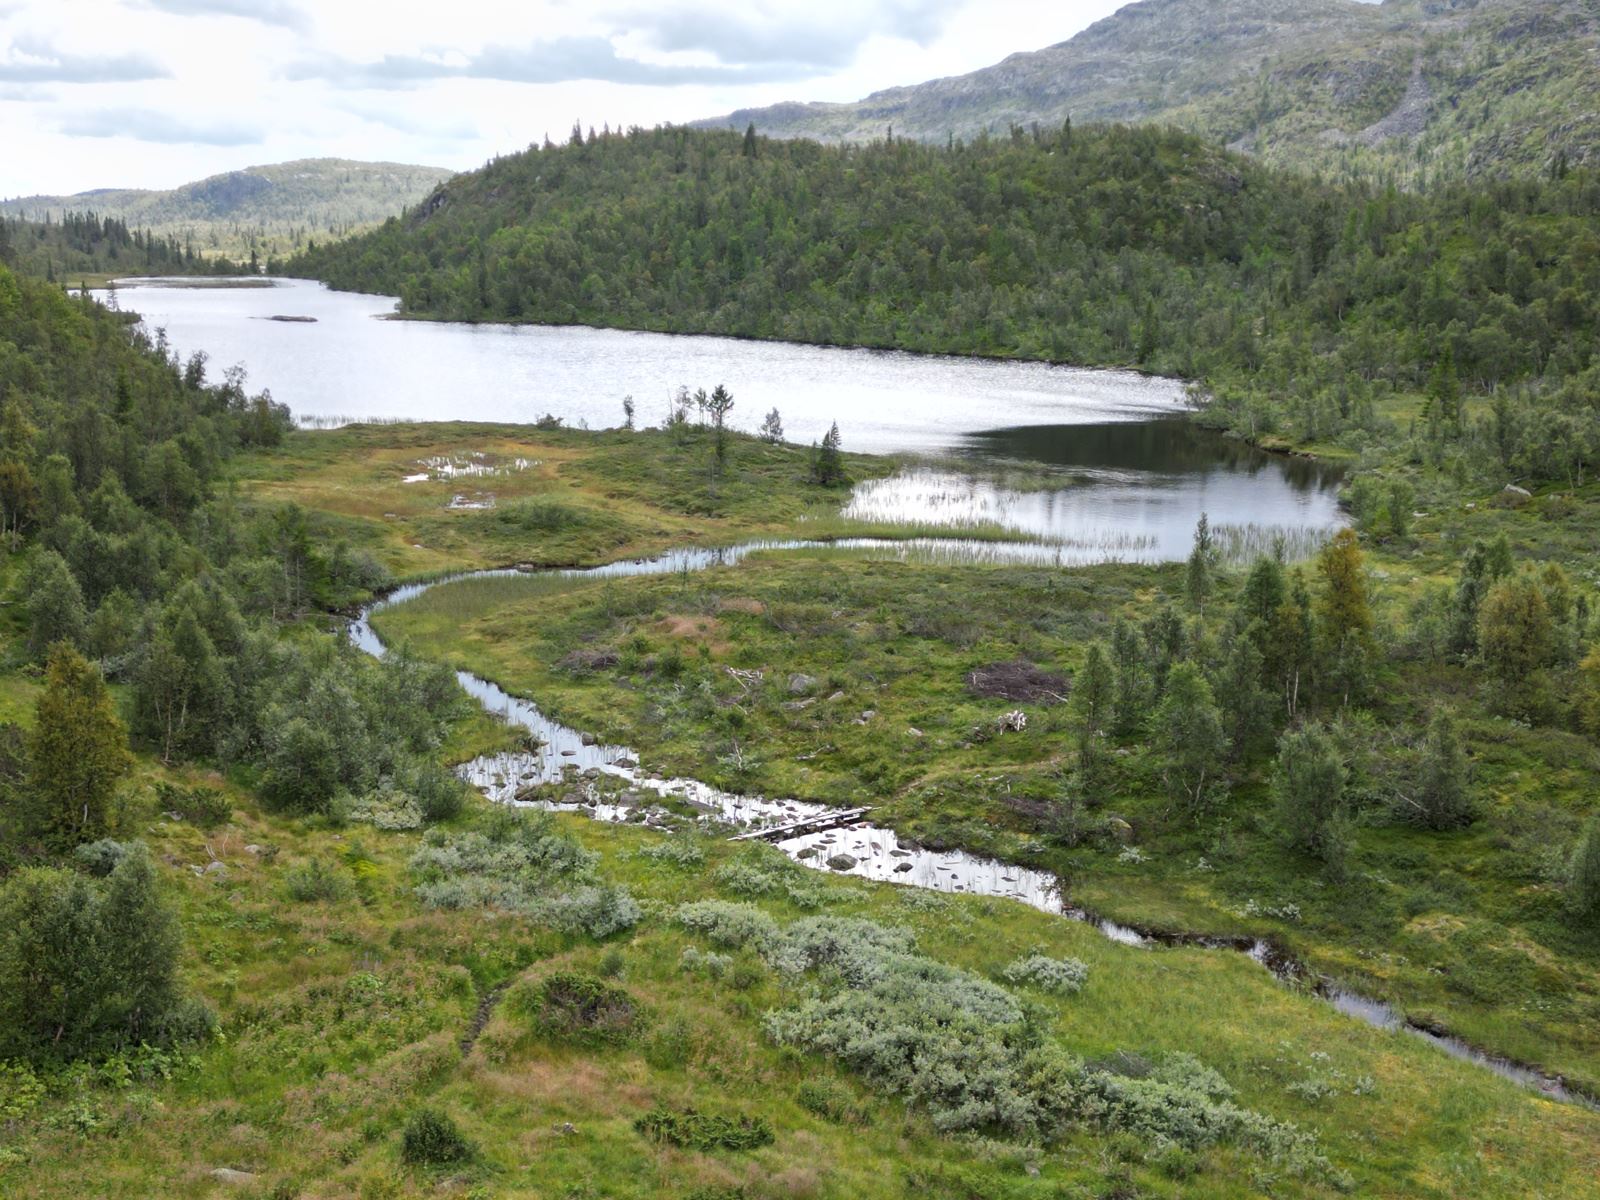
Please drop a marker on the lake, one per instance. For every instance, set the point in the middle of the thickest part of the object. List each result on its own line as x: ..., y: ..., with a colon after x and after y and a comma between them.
x: 1097, y: 460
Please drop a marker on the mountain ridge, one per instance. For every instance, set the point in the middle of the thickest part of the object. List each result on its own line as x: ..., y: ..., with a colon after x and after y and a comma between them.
x: 272, y: 207
x: 1408, y: 89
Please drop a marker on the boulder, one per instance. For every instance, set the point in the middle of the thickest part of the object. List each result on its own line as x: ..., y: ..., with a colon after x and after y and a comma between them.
x: 841, y: 862
x: 1120, y: 829
x: 799, y: 684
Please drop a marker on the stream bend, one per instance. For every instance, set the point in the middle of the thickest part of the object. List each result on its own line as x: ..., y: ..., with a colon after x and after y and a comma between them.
x: 858, y: 848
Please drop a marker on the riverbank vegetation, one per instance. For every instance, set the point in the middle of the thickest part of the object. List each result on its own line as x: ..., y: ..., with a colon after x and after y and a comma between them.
x: 439, y: 497
x: 1415, y: 842
x: 349, y: 975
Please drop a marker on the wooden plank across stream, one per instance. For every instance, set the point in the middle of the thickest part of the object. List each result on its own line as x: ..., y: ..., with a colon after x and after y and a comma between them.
x: 817, y: 824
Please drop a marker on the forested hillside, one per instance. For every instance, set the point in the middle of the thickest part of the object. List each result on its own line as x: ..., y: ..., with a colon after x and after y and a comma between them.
x: 269, y: 210
x: 1106, y: 246
x: 1408, y: 91
x: 80, y: 244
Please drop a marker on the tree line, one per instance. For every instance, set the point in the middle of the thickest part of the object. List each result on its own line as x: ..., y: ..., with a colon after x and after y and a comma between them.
x: 140, y: 569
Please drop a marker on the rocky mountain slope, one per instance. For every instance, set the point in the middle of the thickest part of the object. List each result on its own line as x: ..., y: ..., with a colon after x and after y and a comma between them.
x: 1406, y: 89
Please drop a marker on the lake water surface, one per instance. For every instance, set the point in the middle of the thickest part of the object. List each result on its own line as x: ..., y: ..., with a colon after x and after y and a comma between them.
x: 1101, y: 462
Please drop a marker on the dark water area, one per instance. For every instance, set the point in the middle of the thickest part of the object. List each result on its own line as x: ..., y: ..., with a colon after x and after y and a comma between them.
x: 1159, y: 447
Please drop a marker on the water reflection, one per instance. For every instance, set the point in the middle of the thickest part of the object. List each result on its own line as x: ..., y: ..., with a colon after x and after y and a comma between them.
x: 1131, y: 489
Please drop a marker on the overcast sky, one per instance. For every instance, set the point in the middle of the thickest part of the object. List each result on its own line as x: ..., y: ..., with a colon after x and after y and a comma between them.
x: 154, y: 93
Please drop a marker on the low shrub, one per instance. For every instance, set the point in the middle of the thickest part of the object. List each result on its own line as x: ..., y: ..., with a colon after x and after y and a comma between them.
x: 964, y: 1049
x: 728, y: 924
x: 769, y: 872
x: 706, y: 962
x: 439, y: 792
x: 430, y: 1138
x: 386, y: 807
x: 832, y: 1102
x: 693, y: 1130
x: 206, y: 807
x: 1063, y: 976
x: 670, y: 1045
x: 100, y: 858
x: 597, y: 912
x: 690, y: 856
x: 514, y: 865
x: 314, y: 880
x: 571, y: 1007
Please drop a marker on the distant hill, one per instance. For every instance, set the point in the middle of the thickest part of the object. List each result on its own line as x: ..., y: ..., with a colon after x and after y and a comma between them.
x: 1406, y: 89
x: 274, y: 210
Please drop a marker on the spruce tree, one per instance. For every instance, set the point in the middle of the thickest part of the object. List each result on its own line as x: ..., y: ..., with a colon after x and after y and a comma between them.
x: 1188, y: 738
x: 1197, y: 584
x: 1583, y: 873
x: 1442, y: 801
x: 78, y: 753
x: 827, y: 466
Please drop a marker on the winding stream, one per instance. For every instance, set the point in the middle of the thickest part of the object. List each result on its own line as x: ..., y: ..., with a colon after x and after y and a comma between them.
x: 562, y: 754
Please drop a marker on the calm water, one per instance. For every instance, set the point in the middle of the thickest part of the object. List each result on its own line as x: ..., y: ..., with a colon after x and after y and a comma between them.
x: 350, y: 364
x: 1098, y: 463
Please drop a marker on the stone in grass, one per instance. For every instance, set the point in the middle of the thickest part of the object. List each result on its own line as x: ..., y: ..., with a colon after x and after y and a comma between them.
x: 229, y: 1175
x: 1119, y: 829
x: 841, y: 862
x: 800, y: 684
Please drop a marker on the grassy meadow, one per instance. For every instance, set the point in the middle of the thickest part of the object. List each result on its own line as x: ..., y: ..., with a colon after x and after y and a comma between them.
x: 350, y: 1000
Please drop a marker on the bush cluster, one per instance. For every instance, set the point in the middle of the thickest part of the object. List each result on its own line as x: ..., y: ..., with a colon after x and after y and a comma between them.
x: 695, y: 1130
x: 967, y: 1051
x: 430, y: 1138
x: 522, y: 864
x: 1063, y: 976
x: 573, y: 1007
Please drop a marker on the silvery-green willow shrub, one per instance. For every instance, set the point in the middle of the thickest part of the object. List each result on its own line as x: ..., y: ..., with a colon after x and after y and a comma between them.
x: 597, y: 911
x: 969, y: 1052
x: 769, y: 872
x: 522, y: 864
x: 1063, y: 976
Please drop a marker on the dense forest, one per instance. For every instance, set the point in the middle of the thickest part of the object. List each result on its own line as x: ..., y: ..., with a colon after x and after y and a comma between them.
x: 84, y: 243
x: 1107, y: 246
x: 140, y: 574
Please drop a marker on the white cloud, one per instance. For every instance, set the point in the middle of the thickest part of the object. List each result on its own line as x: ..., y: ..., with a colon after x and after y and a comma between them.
x: 143, y: 125
x: 154, y: 93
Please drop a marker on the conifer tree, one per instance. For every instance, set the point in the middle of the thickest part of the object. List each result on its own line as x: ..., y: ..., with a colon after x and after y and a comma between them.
x: 78, y: 753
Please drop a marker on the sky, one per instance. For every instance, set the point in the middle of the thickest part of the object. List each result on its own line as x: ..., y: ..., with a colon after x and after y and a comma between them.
x: 155, y: 93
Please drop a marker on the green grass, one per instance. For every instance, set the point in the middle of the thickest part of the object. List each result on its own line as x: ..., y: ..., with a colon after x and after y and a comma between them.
x: 578, y: 498
x: 343, y: 1018
x: 1463, y: 929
